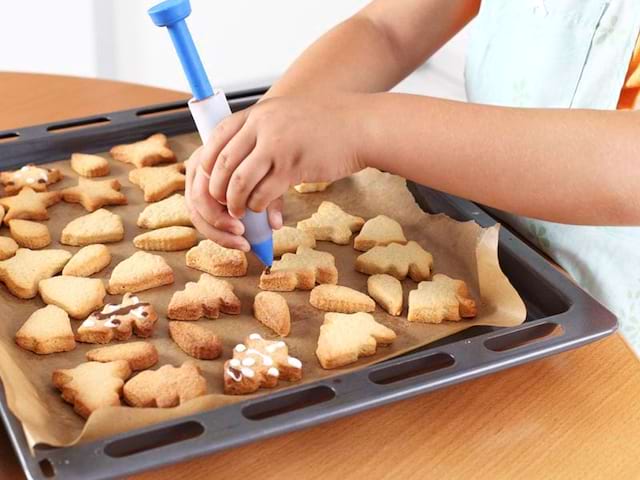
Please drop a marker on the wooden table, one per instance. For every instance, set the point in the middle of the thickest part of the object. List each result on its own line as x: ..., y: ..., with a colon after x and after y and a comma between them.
x: 575, y: 415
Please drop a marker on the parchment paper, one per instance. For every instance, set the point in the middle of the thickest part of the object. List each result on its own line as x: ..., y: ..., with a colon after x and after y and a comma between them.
x: 460, y: 250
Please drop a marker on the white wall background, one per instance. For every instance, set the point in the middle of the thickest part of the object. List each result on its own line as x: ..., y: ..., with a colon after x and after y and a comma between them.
x: 242, y: 42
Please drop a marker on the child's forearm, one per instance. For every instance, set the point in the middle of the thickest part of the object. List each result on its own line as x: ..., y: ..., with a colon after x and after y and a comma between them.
x: 571, y: 166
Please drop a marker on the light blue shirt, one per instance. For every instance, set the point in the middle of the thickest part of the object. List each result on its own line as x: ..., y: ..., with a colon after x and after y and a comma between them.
x: 565, y: 54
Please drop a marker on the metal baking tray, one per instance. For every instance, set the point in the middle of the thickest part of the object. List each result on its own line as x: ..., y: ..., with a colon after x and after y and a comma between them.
x: 560, y: 316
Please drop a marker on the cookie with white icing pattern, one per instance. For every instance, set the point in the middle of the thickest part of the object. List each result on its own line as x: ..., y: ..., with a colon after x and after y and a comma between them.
x: 259, y: 363
x: 38, y: 178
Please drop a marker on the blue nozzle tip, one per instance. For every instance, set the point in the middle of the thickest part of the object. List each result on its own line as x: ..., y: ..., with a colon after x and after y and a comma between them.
x: 169, y: 12
x: 264, y: 252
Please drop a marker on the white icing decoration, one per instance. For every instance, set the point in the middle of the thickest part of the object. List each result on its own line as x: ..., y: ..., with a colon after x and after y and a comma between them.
x: 110, y: 307
x: 89, y: 322
x: 247, y: 372
x: 30, y: 180
x: 275, y: 346
x: 133, y: 300
x: 138, y: 312
x: 234, y: 362
x: 109, y: 323
x: 294, y: 362
x: 255, y: 336
x: 233, y: 375
x: 25, y: 168
x: 273, y: 372
x: 267, y: 361
x: 240, y: 348
x: 248, y: 362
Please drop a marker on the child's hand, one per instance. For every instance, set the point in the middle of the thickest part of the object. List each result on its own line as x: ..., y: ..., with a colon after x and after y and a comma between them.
x: 255, y: 155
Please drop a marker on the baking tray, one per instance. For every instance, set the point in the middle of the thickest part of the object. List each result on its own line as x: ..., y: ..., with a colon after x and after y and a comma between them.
x: 560, y: 316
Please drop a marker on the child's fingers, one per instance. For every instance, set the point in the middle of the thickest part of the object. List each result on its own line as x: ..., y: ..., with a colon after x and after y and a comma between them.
x: 274, y: 211
x: 224, y: 131
x: 191, y: 166
x: 231, y: 156
x: 269, y: 189
x: 225, y: 239
x: 243, y: 180
x: 211, y: 211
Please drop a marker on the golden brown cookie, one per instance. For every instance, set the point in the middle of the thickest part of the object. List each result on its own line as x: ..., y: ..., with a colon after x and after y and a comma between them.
x: 170, y: 212
x: 337, y: 298
x: 217, y: 260
x: 272, y: 311
x: 300, y: 270
x: 88, y: 260
x: 167, y: 239
x: 47, y: 330
x: 312, y: 187
x: 346, y: 337
x: 158, y: 182
x: 145, y: 153
x: 29, y: 205
x: 78, y: 296
x: 94, y: 194
x: 288, y: 239
x: 139, y: 355
x: 331, y: 223
x: 22, y: 272
x: 397, y: 260
x: 8, y: 247
x: 387, y: 291
x: 119, y: 321
x: 87, y: 165
x: 205, y: 298
x: 37, y: 178
x: 441, y: 299
x: 195, y: 340
x: 141, y: 271
x: 92, y: 385
x: 259, y: 363
x: 101, y: 226
x: 166, y: 387
x: 380, y: 230
x: 29, y: 234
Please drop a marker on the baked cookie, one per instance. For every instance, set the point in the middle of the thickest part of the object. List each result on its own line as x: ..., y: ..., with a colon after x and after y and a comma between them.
x: 217, y: 260
x: 158, y: 182
x: 259, y: 363
x: 272, y: 311
x: 288, y: 239
x: 139, y: 355
x: 8, y: 247
x: 387, y: 291
x: 87, y: 165
x: 195, y: 340
x: 441, y: 299
x: 22, y: 272
x: 311, y: 187
x: 47, y: 330
x: 166, y: 387
x: 94, y: 194
x: 87, y: 261
x: 397, y: 260
x: 29, y: 234
x: 141, y: 271
x: 346, y: 337
x: 78, y: 296
x: 205, y: 298
x: 145, y: 153
x: 331, y: 223
x: 101, y: 226
x: 92, y: 385
x: 380, y: 230
x: 37, y: 178
x: 29, y: 204
x: 1, y: 214
x: 119, y: 321
x: 167, y: 239
x: 337, y: 298
x: 170, y: 212
x: 300, y: 270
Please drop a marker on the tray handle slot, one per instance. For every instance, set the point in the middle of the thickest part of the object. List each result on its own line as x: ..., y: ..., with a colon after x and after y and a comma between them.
x: 8, y: 136
x: 46, y: 467
x: 412, y: 368
x: 272, y: 407
x: 77, y: 124
x: 161, y: 110
x: 525, y: 336
x: 154, y: 439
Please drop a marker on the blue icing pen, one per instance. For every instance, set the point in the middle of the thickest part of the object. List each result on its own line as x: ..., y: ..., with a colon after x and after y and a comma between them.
x: 208, y: 107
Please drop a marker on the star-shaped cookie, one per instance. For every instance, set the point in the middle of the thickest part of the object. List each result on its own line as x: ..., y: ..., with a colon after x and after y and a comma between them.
x: 92, y: 194
x: 158, y: 182
x: 29, y: 205
x: 37, y: 178
x: 145, y: 153
x: 331, y: 223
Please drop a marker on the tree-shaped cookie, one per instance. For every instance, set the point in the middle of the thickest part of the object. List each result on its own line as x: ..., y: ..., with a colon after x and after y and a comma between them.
x: 145, y: 153
x: 158, y: 182
x: 380, y: 230
x: 47, y: 330
x: 346, y: 337
x: 338, y: 298
x: 166, y: 387
x: 288, y: 239
x: 441, y: 299
x: 22, y: 272
x: 93, y: 194
x: 119, y: 321
x: 217, y: 260
x: 32, y: 176
x: 92, y: 385
x: 101, y: 226
x: 259, y: 363
x: 331, y: 223
x: 397, y: 260
x: 300, y: 270
x: 170, y: 212
x: 205, y: 298
x: 29, y: 205
x: 78, y: 296
x: 141, y: 271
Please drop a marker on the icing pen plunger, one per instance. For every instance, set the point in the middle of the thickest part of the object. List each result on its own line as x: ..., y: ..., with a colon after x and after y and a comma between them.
x: 208, y: 107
